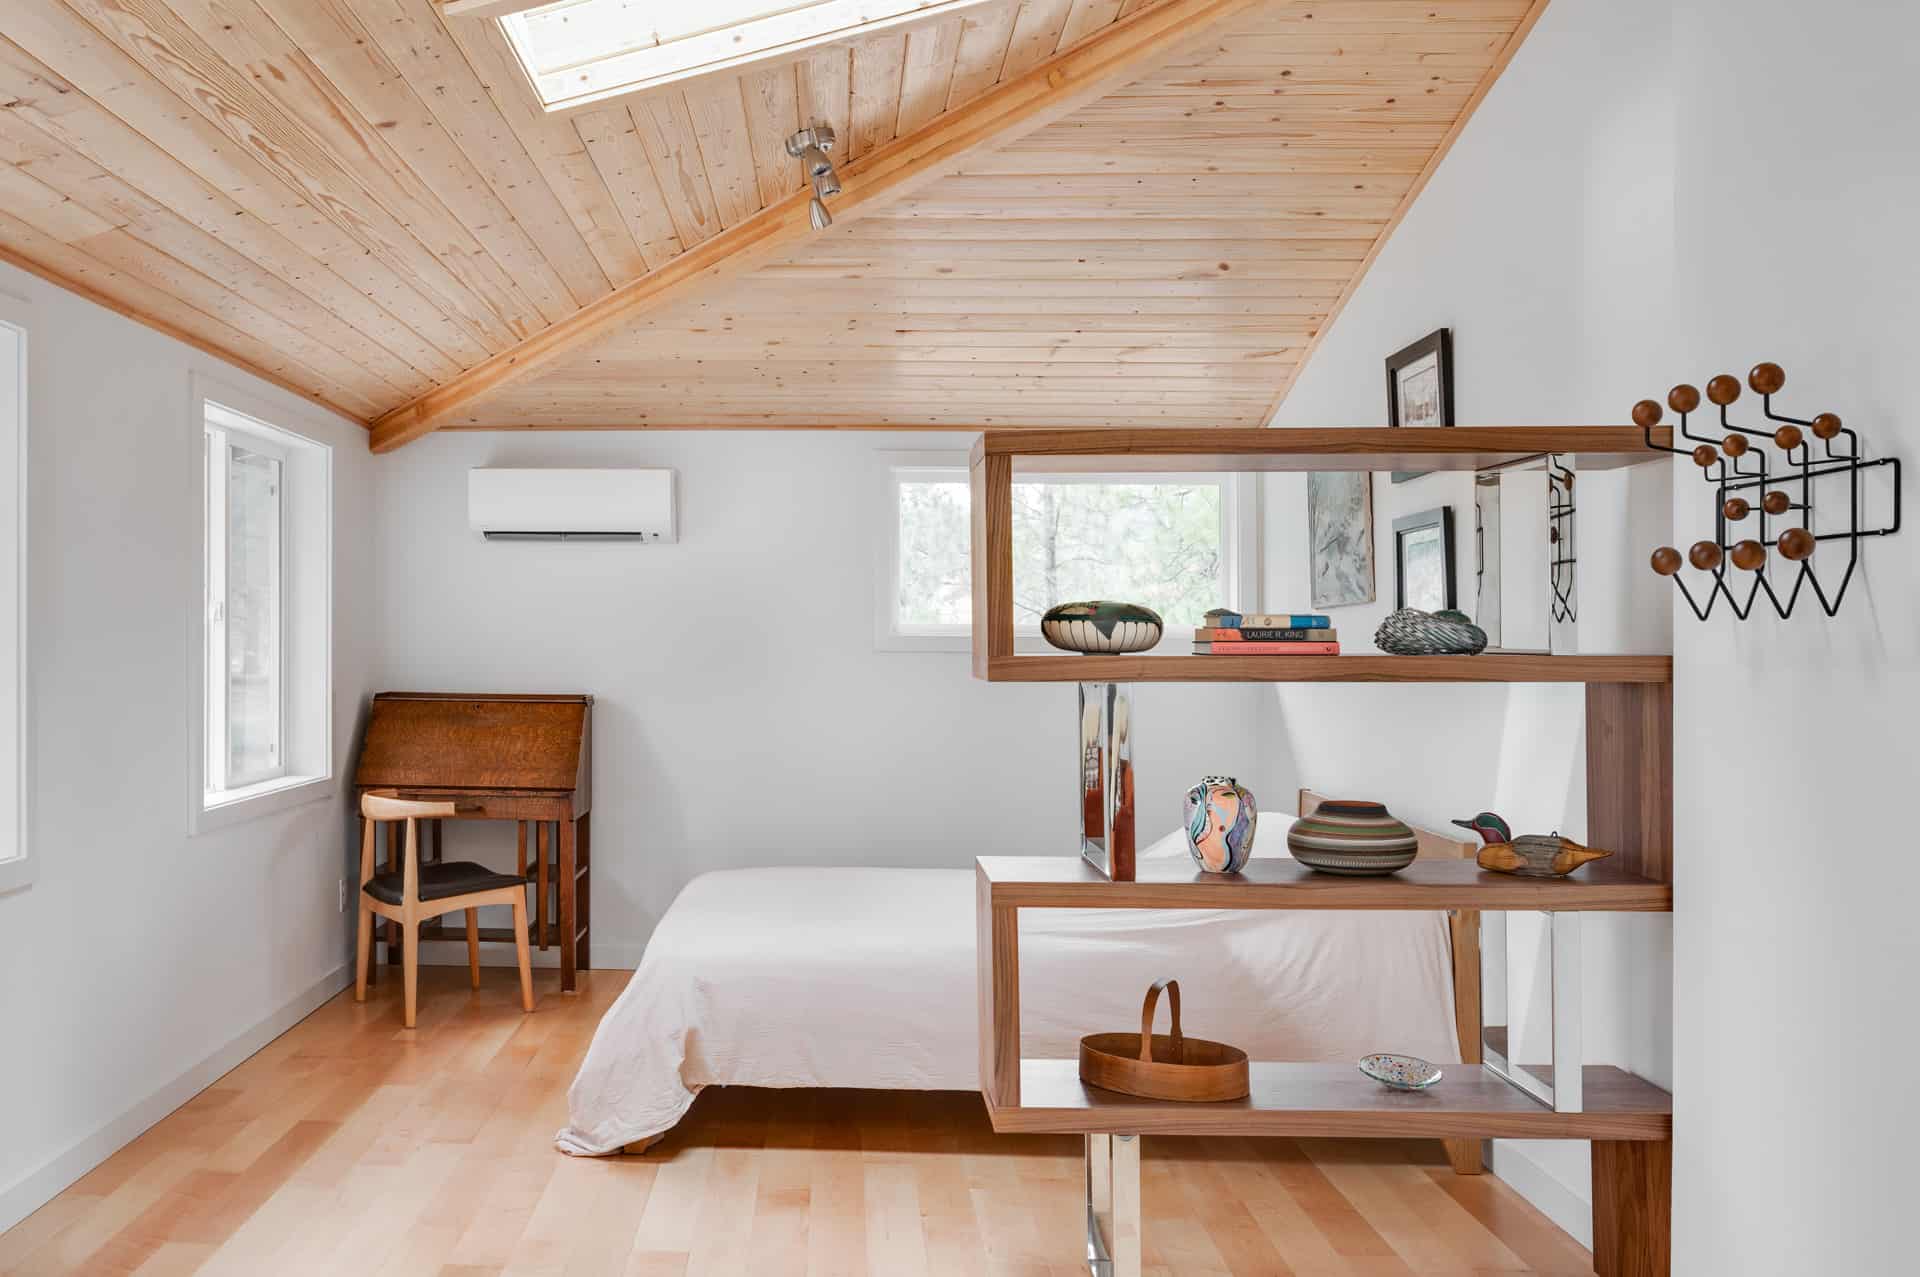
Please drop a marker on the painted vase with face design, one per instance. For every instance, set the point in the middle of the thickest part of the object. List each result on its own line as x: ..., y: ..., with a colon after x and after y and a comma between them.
x: 1220, y: 823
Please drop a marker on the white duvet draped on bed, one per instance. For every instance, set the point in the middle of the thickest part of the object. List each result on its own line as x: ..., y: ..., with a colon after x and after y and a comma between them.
x: 865, y: 978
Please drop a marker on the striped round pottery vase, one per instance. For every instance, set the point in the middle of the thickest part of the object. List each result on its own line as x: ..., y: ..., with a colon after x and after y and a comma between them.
x: 1352, y: 838
x: 1220, y: 823
x: 1101, y: 627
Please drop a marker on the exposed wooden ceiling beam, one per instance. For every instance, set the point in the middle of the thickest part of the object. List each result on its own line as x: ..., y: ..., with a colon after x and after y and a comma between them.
x: 1118, y: 54
x: 1406, y: 202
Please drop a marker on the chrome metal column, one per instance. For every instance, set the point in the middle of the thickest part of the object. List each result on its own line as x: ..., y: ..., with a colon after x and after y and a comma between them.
x: 1106, y: 778
x: 1113, y: 1205
x: 1563, y: 1090
x: 1567, y: 1061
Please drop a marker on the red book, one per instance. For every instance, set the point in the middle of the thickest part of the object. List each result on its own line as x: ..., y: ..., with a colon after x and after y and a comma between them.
x: 1249, y: 647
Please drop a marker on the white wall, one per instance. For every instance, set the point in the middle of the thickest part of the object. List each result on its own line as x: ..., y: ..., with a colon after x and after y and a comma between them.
x: 1653, y: 194
x: 143, y: 962
x: 1795, y: 946
x: 742, y: 716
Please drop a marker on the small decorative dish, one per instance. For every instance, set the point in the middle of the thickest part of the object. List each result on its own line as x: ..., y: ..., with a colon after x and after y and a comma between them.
x: 1401, y: 1072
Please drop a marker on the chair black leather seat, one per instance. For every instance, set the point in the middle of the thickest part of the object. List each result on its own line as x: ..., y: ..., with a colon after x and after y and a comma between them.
x: 438, y: 881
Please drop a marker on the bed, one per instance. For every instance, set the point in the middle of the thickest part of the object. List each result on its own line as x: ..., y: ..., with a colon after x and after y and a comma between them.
x: 848, y: 977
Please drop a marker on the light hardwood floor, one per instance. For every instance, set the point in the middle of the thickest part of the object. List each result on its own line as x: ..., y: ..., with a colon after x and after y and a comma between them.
x: 351, y: 1145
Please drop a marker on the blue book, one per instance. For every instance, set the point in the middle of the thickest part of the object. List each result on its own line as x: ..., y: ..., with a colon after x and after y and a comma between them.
x: 1222, y: 619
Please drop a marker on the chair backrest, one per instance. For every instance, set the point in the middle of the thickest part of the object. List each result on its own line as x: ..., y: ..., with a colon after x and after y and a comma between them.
x: 388, y: 807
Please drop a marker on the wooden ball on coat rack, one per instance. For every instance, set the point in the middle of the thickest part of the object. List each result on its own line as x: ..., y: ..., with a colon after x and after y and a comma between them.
x: 1735, y: 445
x: 1724, y: 389
x: 1766, y: 379
x: 1666, y: 560
x: 1646, y: 414
x: 1776, y: 502
x: 1796, y: 543
x: 1704, y: 555
x: 1787, y: 438
x: 1749, y: 556
x: 1705, y: 455
x: 1736, y: 508
x: 1825, y: 426
x: 1683, y: 398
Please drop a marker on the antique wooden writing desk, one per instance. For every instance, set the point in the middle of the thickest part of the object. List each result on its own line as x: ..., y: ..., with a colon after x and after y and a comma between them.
x: 528, y: 759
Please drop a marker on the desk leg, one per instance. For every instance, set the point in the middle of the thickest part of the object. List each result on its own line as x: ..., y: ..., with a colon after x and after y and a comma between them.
x: 1632, y: 1208
x: 540, y: 856
x: 396, y: 859
x: 568, y: 957
x: 583, y: 901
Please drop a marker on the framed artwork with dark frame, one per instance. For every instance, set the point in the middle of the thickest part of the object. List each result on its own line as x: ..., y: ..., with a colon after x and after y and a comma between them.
x: 1423, y: 560
x: 1420, y: 387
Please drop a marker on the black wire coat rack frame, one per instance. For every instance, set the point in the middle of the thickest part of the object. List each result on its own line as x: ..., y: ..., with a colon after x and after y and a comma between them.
x: 1736, y: 464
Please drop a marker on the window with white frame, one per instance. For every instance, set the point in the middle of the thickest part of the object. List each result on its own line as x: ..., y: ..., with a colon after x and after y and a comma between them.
x: 265, y: 667
x: 16, y: 859
x: 580, y: 51
x: 1179, y: 543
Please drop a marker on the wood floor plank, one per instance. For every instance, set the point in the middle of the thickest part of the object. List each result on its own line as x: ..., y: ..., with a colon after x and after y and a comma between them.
x: 351, y: 1144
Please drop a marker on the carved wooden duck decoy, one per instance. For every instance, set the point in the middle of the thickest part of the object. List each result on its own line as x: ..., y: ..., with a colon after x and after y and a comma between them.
x: 1530, y: 855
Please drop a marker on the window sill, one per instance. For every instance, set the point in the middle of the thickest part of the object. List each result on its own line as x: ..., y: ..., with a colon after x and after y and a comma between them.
x: 233, y: 806
x: 1023, y: 644
x: 17, y: 874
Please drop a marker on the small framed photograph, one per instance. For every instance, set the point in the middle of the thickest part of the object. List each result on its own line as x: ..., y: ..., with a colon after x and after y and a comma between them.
x: 1420, y: 387
x: 1423, y: 560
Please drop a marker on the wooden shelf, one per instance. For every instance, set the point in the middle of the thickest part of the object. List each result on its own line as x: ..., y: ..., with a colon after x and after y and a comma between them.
x: 1320, y: 448
x: 1336, y: 1100
x: 1490, y: 667
x: 1068, y: 882
x: 999, y: 453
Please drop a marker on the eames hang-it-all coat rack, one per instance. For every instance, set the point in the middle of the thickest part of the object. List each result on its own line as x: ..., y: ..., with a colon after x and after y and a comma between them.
x: 1629, y: 746
x: 1822, y: 461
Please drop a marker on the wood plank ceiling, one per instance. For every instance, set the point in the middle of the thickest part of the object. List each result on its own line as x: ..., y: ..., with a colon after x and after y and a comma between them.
x: 360, y: 199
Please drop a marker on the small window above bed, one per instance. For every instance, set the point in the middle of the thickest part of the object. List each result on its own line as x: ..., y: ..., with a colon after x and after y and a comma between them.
x: 1179, y: 543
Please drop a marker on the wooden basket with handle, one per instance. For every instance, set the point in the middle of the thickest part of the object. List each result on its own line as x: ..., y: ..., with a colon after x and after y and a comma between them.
x: 1168, y: 1066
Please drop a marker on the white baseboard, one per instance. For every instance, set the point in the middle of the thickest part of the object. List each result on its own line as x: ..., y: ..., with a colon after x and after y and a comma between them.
x: 39, y: 1186
x: 453, y: 953
x: 1548, y: 1193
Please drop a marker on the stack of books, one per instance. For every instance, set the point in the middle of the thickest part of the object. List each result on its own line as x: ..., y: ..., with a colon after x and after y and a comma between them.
x: 1229, y: 633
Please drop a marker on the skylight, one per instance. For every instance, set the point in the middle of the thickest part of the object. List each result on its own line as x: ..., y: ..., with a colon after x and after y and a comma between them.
x: 579, y: 51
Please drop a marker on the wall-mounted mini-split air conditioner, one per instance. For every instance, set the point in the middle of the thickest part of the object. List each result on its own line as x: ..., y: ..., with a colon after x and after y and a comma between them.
x: 572, y: 505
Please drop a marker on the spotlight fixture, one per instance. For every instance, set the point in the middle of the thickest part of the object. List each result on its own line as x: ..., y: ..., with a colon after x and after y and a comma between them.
x: 810, y: 147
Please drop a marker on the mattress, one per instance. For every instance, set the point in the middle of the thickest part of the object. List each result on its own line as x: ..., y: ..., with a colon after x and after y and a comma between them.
x: 845, y: 977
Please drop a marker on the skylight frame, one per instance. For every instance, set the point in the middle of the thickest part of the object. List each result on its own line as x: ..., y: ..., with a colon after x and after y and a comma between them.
x: 798, y: 28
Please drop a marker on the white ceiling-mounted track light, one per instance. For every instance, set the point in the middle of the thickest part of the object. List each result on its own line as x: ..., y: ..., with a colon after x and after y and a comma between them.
x: 810, y: 147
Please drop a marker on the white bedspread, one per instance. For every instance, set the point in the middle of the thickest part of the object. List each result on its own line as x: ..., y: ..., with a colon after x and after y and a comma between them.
x: 865, y: 978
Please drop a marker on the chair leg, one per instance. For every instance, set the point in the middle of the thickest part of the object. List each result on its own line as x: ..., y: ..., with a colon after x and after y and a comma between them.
x: 410, y: 965
x: 473, y: 945
x: 520, y: 953
x: 362, y: 945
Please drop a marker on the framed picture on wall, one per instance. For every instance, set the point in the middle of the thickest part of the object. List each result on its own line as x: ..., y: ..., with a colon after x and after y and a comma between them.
x: 1420, y: 387
x: 1340, y: 537
x: 1423, y: 560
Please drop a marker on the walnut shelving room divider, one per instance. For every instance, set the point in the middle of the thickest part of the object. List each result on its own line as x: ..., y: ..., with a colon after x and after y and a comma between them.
x: 1629, y: 709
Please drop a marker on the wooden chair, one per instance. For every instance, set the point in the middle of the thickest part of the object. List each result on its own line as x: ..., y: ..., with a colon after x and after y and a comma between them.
x: 416, y: 892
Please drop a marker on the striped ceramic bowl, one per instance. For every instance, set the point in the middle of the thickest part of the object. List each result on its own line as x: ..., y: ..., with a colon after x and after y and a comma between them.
x: 1352, y: 838
x: 1101, y: 627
